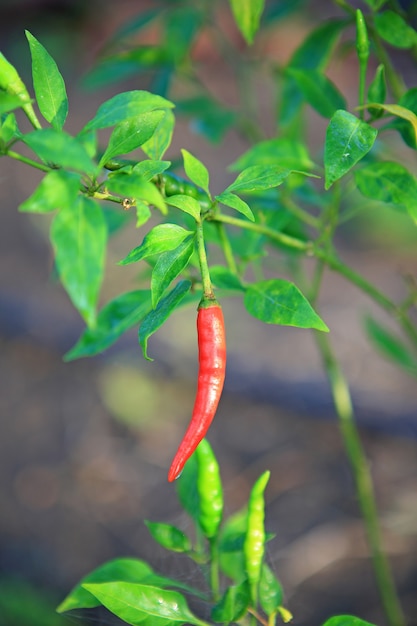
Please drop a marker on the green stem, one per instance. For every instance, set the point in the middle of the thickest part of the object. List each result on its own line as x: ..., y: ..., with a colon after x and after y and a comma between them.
x: 362, y: 48
x: 300, y: 213
x: 214, y: 569
x: 227, y: 249
x: 363, y: 481
x: 202, y: 256
x: 31, y: 162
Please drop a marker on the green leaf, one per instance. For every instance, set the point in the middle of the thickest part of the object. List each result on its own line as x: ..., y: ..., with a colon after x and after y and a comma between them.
x: 279, y: 151
x: 113, y: 320
x: 168, y: 266
x: 8, y: 129
x: 158, y: 316
x: 137, y: 604
x: 316, y: 49
x: 377, y: 90
x: 188, y: 204
x: 318, y: 91
x: 132, y: 185
x: 407, y: 131
x: 124, y: 106
x: 48, y: 83
x: 401, y: 112
x: 223, y: 278
x: 247, y: 14
x: 143, y: 213
x: 60, y: 149
x: 169, y: 537
x: 79, y: 237
x: 131, y: 134
x: 57, y: 190
x: 187, y: 489
x: 389, y: 182
x: 233, y: 201
x: 232, y: 605
x: 207, y: 116
x: 270, y: 591
x: 279, y: 301
x: 390, y: 346
x: 393, y: 28
x: 346, y: 620
x: 9, y: 102
x: 160, y: 239
x: 376, y: 4
x: 160, y: 141
x: 148, y: 169
x: 196, y: 171
x: 348, y: 140
x: 257, y: 178
x: 232, y: 538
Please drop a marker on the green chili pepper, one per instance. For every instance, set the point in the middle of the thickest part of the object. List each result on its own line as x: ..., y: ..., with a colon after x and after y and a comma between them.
x: 12, y: 84
x: 210, y: 490
x: 254, y: 544
x: 362, y: 41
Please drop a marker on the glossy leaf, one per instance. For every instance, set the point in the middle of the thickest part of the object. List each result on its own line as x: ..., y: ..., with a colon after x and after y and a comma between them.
x: 348, y: 140
x: 232, y: 605
x: 132, y: 185
x: 377, y: 90
x: 148, y: 169
x: 185, y: 203
x: 60, y: 149
x: 79, y: 238
x: 247, y: 14
x: 258, y: 178
x: 161, y: 238
x: 131, y: 134
x: 399, y: 111
x: 233, y: 201
x: 318, y: 91
x: 279, y: 301
x: 279, y: 151
x: 134, y: 603
x: 160, y: 141
x: 196, y: 171
x: 270, y: 591
x: 389, y: 182
x: 408, y: 101
x: 187, y: 490
x: 169, y: 536
x: 57, y: 190
x: 48, y: 83
x: 168, y: 266
x: 346, y: 620
x: 393, y: 28
x: 158, y: 316
x: 115, y: 318
x: 390, y: 346
x: 124, y: 106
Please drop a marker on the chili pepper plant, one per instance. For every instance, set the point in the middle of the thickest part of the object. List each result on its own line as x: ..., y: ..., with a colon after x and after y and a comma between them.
x: 282, y: 200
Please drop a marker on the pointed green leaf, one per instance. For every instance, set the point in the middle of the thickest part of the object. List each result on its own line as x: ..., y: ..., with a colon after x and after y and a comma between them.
x: 8, y: 128
x: 389, y: 182
x: 233, y: 201
x: 247, y: 14
x: 393, y: 28
x: 160, y: 239
x: 232, y: 605
x: 132, y: 185
x: 169, y: 537
x: 148, y: 169
x: 158, y: 316
x: 399, y: 111
x: 188, y: 204
x: 126, y: 105
x: 115, y: 318
x: 270, y: 591
x: 279, y: 301
x: 316, y: 49
x: 318, y: 91
x: 279, y: 151
x: 60, y: 149
x: 131, y: 134
x: 346, y: 620
x: 160, y: 141
x: 79, y: 238
x: 134, y: 602
x: 377, y: 90
x: 348, y: 140
x: 48, y: 83
x: 57, y: 190
x: 257, y: 178
x: 196, y: 171
x: 143, y: 213
x: 207, y: 116
x: 168, y: 266
x: 390, y: 346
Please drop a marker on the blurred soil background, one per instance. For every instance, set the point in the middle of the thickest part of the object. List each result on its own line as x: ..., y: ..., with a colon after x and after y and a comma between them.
x: 85, y: 446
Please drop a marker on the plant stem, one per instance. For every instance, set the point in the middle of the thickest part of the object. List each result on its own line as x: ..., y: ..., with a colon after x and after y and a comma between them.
x: 214, y: 569
x: 202, y: 256
x: 227, y: 249
x: 363, y: 481
x: 31, y: 162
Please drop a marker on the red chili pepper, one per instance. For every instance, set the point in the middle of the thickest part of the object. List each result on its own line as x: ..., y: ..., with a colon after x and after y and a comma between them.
x: 212, y: 359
